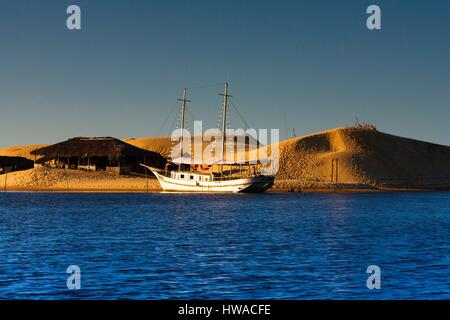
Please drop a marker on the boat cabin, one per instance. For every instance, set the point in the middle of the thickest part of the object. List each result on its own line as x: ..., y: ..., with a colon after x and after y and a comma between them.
x: 189, y: 176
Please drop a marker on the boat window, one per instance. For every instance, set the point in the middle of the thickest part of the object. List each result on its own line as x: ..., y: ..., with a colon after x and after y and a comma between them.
x: 182, y: 176
x: 192, y: 177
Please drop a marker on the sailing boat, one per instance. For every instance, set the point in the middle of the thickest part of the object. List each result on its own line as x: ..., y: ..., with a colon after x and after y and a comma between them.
x: 183, y: 178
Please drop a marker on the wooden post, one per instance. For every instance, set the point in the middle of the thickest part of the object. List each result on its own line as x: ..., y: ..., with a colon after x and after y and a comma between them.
x: 146, y: 178
x: 67, y: 178
x: 6, y: 178
x: 337, y: 169
x: 332, y: 170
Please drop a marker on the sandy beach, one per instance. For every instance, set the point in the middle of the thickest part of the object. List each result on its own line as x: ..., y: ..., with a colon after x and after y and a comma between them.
x: 50, y: 179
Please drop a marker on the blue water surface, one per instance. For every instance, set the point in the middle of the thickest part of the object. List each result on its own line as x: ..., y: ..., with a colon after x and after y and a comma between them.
x: 184, y: 246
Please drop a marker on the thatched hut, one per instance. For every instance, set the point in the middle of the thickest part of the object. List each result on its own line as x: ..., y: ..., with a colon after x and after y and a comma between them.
x: 8, y: 164
x: 98, y: 153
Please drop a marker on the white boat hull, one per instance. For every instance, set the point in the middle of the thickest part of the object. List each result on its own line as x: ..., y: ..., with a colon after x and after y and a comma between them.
x: 251, y: 184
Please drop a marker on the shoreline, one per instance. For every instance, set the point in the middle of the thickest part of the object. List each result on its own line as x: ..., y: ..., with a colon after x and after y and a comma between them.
x: 74, y: 181
x: 159, y: 190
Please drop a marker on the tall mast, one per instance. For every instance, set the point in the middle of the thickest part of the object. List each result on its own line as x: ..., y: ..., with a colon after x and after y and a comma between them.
x: 224, y: 123
x: 183, y: 110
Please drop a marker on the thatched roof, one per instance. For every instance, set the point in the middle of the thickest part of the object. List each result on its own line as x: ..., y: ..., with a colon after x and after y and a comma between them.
x: 17, y: 162
x: 109, y: 147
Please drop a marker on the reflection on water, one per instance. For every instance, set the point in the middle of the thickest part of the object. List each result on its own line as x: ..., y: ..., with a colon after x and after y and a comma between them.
x: 282, y: 246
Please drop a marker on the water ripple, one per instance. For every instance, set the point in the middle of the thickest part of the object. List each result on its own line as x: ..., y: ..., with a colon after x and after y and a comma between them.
x: 280, y: 246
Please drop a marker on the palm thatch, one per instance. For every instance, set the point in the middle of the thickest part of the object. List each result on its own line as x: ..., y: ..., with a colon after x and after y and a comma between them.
x: 16, y: 163
x: 108, y: 147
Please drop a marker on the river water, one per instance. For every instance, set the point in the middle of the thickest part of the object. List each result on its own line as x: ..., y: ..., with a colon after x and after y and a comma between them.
x: 184, y: 246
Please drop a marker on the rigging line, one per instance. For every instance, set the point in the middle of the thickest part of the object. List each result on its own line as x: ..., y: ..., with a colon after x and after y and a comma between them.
x: 175, y: 119
x: 206, y: 86
x: 167, y: 119
x: 240, y: 115
x: 191, y: 115
x: 220, y: 117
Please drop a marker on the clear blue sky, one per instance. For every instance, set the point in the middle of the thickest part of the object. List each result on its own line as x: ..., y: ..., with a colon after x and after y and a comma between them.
x: 313, y: 62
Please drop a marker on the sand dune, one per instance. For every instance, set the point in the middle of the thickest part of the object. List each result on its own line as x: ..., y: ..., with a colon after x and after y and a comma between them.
x: 161, y: 145
x: 349, y: 158
x: 365, y: 158
x: 21, y: 151
x: 341, y: 158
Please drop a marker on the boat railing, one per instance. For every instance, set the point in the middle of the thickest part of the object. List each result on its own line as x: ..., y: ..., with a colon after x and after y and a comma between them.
x: 226, y: 178
x: 213, y: 176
